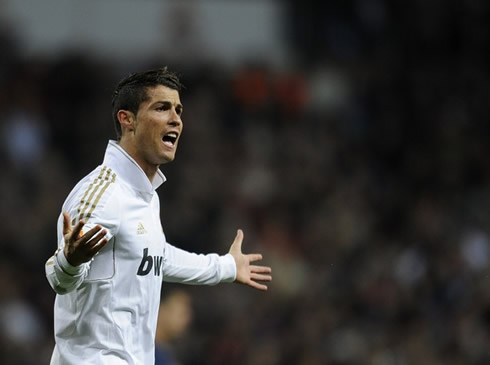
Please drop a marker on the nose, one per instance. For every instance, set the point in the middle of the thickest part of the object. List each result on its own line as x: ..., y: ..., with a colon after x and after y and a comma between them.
x: 175, y: 123
x: 175, y: 120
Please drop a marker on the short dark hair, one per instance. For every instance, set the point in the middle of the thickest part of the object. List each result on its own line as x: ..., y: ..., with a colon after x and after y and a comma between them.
x: 131, y: 91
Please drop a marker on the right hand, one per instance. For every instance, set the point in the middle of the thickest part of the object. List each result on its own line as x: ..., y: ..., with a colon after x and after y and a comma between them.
x: 80, y: 247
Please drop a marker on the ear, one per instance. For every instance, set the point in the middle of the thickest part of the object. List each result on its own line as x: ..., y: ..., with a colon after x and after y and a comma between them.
x: 127, y: 120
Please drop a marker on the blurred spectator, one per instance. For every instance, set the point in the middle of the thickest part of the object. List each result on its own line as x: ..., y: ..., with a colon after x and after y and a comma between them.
x: 174, y: 319
x: 25, y: 138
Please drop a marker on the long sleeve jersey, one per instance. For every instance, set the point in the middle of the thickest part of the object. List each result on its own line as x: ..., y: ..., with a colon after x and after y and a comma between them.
x: 106, y: 310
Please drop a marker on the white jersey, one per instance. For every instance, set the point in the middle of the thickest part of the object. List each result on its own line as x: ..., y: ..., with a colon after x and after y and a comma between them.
x: 106, y: 310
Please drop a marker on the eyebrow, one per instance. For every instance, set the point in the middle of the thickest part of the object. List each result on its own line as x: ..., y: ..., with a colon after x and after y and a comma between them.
x: 168, y: 102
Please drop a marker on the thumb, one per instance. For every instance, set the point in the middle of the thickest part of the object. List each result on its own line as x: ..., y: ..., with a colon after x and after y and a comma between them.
x: 236, y: 246
x: 66, y: 223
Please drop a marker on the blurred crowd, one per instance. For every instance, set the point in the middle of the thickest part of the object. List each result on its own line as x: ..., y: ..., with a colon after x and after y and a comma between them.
x: 359, y: 167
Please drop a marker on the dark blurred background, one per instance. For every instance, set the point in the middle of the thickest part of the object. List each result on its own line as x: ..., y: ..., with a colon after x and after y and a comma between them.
x: 347, y: 138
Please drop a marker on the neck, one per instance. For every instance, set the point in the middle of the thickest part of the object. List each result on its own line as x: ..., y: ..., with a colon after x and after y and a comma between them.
x: 149, y: 169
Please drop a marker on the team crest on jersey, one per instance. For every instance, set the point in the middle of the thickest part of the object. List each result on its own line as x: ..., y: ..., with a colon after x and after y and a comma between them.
x: 141, y: 229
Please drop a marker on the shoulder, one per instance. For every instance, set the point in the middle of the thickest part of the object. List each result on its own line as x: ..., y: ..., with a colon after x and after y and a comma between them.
x: 95, y: 192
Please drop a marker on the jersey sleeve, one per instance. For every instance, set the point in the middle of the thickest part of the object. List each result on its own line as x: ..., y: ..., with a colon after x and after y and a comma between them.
x: 101, y: 209
x: 184, y: 267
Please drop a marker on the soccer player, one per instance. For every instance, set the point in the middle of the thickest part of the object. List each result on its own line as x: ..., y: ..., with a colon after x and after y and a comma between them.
x: 112, y: 252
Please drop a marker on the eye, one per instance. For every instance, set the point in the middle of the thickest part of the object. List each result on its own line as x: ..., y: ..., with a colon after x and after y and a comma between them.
x: 163, y: 107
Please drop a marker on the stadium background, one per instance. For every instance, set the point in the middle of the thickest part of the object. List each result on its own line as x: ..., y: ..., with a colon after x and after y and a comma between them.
x: 349, y: 139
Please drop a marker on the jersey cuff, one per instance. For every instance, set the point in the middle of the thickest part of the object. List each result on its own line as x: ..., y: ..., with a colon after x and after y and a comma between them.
x: 227, y: 268
x: 66, y: 266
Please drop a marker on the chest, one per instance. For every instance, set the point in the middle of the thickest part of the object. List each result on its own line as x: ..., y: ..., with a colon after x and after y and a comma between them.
x: 140, y: 228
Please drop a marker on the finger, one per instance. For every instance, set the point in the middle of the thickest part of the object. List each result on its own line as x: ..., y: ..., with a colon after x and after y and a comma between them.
x: 98, y: 246
x: 260, y: 269
x: 88, y: 236
x: 257, y: 286
x: 77, y: 231
x: 260, y: 277
x: 237, y: 243
x: 96, y: 239
x: 66, y: 223
x: 254, y: 257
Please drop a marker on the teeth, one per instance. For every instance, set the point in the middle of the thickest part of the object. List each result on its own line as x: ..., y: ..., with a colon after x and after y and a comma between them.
x: 172, y: 134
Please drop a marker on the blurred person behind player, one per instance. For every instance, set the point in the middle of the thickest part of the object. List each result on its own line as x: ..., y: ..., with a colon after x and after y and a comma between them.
x: 174, y: 319
x: 112, y: 252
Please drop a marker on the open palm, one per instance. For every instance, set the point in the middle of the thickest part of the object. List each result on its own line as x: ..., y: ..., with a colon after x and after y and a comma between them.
x: 247, y: 273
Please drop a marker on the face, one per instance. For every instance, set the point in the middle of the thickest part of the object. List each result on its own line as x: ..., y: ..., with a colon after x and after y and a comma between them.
x: 152, y: 135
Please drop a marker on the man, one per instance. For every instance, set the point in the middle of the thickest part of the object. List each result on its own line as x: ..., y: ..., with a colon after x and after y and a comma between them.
x: 112, y: 253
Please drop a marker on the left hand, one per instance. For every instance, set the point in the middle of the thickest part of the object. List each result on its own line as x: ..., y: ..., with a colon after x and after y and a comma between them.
x: 245, y: 272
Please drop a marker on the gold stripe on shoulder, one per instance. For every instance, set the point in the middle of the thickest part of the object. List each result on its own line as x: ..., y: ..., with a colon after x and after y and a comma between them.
x: 109, y: 180
x: 85, y: 203
x: 91, y: 191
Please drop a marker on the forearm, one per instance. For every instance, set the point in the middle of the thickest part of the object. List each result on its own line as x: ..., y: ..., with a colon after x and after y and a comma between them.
x: 189, y: 268
x: 62, y: 276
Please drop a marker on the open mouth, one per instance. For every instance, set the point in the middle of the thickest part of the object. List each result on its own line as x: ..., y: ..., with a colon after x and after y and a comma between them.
x: 170, y: 138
